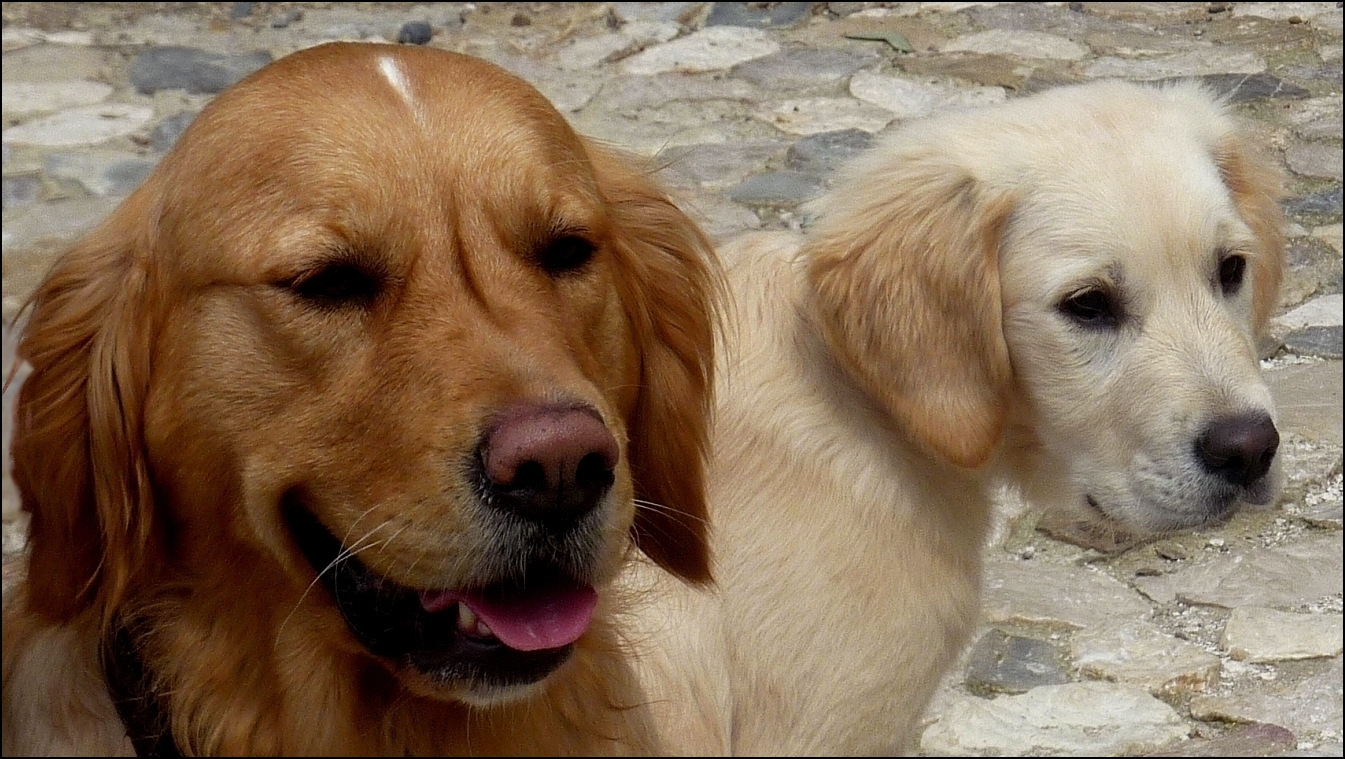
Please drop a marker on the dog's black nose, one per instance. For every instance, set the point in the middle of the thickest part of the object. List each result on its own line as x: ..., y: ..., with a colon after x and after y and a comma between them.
x: 1239, y: 448
x: 548, y: 464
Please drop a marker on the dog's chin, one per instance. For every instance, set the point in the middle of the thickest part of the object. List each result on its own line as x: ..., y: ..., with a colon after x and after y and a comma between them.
x: 1152, y: 520
x: 483, y: 645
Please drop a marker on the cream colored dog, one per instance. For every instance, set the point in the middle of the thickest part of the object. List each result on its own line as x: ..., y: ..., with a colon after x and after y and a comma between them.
x: 1063, y: 293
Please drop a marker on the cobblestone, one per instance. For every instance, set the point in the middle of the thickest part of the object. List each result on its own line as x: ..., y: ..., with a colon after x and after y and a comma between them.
x: 749, y: 108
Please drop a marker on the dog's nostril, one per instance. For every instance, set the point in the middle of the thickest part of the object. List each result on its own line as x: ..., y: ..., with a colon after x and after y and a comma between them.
x: 529, y: 475
x: 1240, y: 449
x: 549, y: 464
x: 594, y: 471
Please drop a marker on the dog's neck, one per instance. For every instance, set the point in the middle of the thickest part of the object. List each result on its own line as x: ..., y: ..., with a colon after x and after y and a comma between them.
x: 131, y: 685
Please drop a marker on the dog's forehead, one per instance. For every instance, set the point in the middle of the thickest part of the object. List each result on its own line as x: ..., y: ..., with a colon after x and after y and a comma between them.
x: 349, y: 134
x: 367, y: 108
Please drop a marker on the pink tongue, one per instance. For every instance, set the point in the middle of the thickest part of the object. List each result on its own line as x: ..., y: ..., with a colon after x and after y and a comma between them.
x: 554, y: 618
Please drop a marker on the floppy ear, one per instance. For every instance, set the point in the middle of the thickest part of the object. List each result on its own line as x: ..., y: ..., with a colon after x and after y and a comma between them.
x: 905, y: 281
x: 671, y: 288
x: 79, y: 462
x: 1257, y: 187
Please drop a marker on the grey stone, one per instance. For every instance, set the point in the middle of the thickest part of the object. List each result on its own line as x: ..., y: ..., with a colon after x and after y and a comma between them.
x: 1308, y: 399
x: 1138, y: 653
x: 1246, y: 88
x: 1076, y: 719
x: 1325, y: 15
x: 821, y: 154
x: 815, y: 115
x: 86, y: 125
x: 1282, y: 576
x: 1314, y: 159
x: 805, y: 71
x: 721, y: 219
x: 191, y: 69
x: 627, y: 12
x: 1081, y: 530
x: 21, y: 190
x: 568, y: 91
x: 1310, y: 707
x: 240, y: 10
x: 1312, y: 268
x: 17, y: 38
x: 55, y: 222
x: 845, y: 9
x: 652, y: 130
x: 758, y: 15
x: 778, y: 189
x: 1331, y: 235
x: 1255, y: 634
x: 1002, y: 663
x: 1315, y: 327
x: 1037, y: 17
x: 1327, y: 72
x: 29, y: 98
x: 1308, y: 466
x: 283, y: 19
x: 1323, y: 342
x: 167, y: 132
x: 627, y: 95
x: 1056, y: 597
x: 1149, y: 13
x: 1328, y: 515
x: 1199, y: 62
x: 415, y: 33
x: 1017, y: 44
x: 709, y: 49
x: 590, y: 52
x: 55, y: 63
x: 1242, y: 740
x: 1326, y: 749
x: 101, y: 173
x: 908, y: 99
x: 717, y: 166
x: 1319, y: 205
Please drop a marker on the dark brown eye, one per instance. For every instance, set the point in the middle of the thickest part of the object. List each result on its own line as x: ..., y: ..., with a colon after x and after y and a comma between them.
x: 1092, y: 308
x: 338, y: 284
x: 1231, y: 271
x: 565, y: 254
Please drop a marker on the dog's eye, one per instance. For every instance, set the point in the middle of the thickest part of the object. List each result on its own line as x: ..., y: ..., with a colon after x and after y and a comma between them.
x: 338, y: 284
x: 1231, y: 271
x: 1092, y: 308
x: 565, y: 254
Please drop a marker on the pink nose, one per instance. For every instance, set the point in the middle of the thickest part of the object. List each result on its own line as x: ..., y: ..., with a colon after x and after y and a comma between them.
x: 549, y: 464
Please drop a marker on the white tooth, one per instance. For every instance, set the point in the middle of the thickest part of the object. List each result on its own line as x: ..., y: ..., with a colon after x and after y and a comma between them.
x: 483, y: 630
x: 467, y: 621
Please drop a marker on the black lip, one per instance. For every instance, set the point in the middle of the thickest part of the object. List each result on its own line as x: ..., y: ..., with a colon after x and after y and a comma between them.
x: 388, y: 619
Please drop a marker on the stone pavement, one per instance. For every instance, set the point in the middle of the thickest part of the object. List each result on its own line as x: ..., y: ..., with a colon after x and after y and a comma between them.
x: 1225, y: 641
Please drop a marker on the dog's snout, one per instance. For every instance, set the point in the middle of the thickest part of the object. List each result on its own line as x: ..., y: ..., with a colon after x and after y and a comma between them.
x: 1240, y: 448
x: 549, y: 464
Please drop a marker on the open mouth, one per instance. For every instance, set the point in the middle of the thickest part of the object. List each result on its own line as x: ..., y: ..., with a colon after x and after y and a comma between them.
x: 514, y: 632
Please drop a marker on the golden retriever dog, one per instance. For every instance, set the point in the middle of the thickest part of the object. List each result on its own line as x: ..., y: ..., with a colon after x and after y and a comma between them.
x: 337, y: 428
x: 1061, y: 293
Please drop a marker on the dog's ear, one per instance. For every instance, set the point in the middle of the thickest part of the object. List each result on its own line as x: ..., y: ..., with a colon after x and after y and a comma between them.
x: 79, y: 460
x: 670, y: 286
x: 904, y: 267
x: 1256, y: 185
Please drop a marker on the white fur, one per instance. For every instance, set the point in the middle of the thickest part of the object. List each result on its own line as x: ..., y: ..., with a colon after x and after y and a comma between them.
x: 392, y: 71
x: 847, y: 536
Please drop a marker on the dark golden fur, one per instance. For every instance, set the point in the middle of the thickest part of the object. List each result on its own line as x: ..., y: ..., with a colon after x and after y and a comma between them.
x: 186, y: 382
